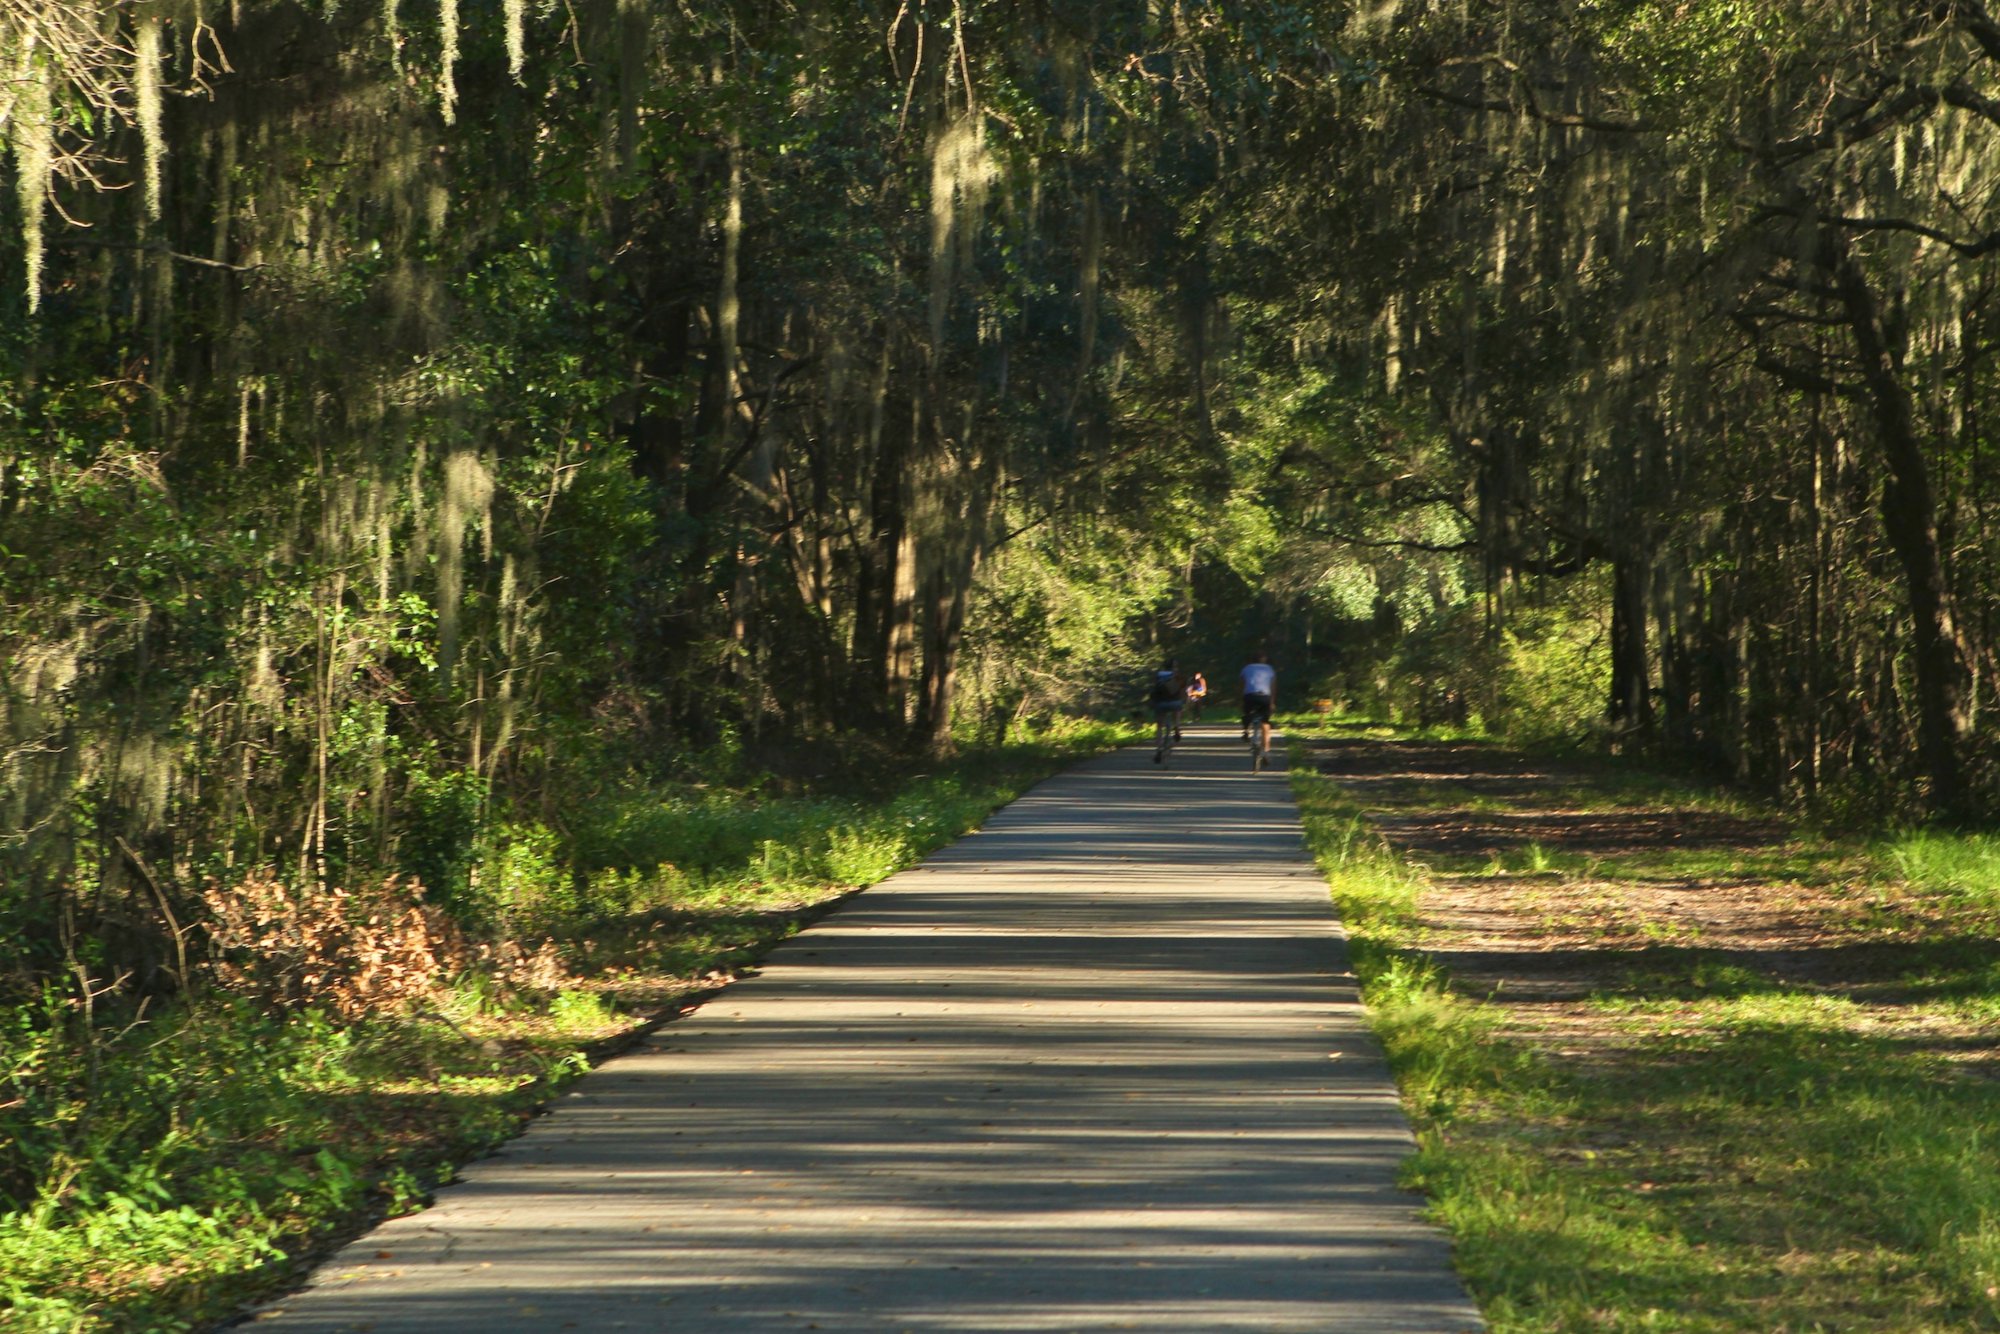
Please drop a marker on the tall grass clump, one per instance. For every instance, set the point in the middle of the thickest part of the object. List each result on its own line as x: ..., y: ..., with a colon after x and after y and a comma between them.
x: 1961, y: 866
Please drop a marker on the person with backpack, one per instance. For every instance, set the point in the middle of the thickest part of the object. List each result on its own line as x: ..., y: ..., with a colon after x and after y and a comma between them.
x: 1169, y: 696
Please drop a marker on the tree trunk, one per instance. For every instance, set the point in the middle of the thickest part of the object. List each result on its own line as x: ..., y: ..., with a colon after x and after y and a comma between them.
x: 899, y: 627
x: 891, y: 578
x: 947, y: 631
x: 1909, y: 520
x: 1631, y: 701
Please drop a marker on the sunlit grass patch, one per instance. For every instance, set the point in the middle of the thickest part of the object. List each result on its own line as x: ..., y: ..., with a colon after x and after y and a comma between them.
x: 1801, y: 861
x: 1347, y: 726
x: 1962, y: 866
x: 1535, y: 859
x: 1775, y: 1122
x: 1667, y: 978
x: 1430, y: 794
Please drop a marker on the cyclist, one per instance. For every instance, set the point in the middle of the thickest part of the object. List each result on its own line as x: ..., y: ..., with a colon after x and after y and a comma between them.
x: 1197, y: 691
x: 1169, y: 695
x: 1260, y: 682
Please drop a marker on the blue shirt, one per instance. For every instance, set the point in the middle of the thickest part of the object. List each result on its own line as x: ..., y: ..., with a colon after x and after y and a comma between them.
x: 1260, y: 678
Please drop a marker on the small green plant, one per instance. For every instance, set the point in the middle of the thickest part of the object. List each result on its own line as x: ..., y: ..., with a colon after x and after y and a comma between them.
x: 404, y: 1191
x: 861, y: 856
x: 525, y: 879
x: 573, y: 1010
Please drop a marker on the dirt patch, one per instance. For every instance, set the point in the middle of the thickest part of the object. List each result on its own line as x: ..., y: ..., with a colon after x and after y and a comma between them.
x: 1545, y: 944
x: 1468, y: 832
x: 1543, y: 912
x: 1425, y: 759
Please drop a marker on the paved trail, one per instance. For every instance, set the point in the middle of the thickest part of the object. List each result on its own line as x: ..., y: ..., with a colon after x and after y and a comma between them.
x: 1098, y: 1066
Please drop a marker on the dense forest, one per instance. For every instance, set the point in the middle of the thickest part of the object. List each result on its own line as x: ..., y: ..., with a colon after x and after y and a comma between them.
x: 418, y: 416
x: 420, y: 422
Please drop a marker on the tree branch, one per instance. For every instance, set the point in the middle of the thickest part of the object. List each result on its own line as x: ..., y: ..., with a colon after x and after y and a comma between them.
x: 1975, y: 20
x: 1985, y: 245
x: 1801, y: 379
x: 1395, y: 543
x: 151, y: 247
x: 1534, y: 110
x: 1864, y: 122
x: 1967, y: 98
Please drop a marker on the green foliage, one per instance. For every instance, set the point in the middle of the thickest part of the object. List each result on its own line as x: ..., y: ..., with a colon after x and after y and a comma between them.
x: 179, y: 1162
x: 584, y: 1011
x: 1552, y: 674
x: 1540, y: 680
x: 440, y: 840
x: 1574, y: 260
x: 526, y: 877
x: 1056, y: 619
x: 861, y: 857
x: 697, y: 843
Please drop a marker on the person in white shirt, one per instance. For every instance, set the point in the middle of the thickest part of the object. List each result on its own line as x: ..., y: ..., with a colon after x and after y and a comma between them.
x: 1260, y: 684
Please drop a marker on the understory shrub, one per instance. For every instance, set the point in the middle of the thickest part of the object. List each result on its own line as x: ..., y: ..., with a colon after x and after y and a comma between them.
x: 353, y: 951
x: 527, y: 879
x: 440, y: 839
x: 1538, y: 677
x: 1551, y: 689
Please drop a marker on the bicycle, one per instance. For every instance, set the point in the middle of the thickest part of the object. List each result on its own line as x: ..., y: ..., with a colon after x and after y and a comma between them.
x: 1257, y: 729
x: 1166, y: 731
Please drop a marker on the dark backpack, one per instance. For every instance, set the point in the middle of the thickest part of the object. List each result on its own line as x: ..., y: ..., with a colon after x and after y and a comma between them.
x: 1164, y: 689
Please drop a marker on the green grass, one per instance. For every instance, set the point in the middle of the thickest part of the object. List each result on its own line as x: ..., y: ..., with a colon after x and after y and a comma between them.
x: 162, y: 1177
x: 1742, y: 1149
x: 1964, y: 867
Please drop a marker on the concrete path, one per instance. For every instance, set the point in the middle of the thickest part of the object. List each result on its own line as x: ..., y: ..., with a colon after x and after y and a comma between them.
x: 1098, y: 1066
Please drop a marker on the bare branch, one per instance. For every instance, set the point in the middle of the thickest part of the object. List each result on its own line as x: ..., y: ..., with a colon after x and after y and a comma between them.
x: 1967, y: 98
x: 1805, y: 381
x: 150, y: 247
x: 1973, y: 249
x: 1395, y: 543
x: 1866, y: 121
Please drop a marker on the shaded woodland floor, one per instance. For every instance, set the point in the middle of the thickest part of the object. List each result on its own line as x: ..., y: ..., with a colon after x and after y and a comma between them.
x: 1675, y: 1061
x: 1552, y: 885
